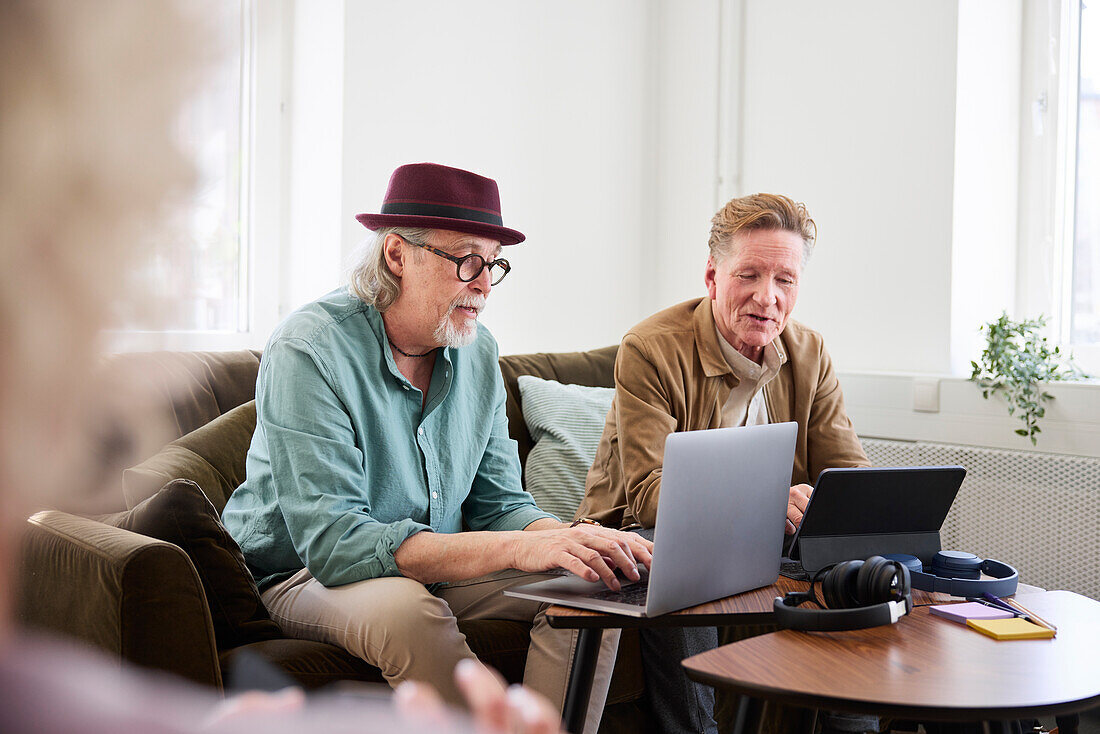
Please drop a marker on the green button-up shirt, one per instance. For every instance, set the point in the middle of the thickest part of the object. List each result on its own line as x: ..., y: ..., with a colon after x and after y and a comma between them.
x: 345, y: 464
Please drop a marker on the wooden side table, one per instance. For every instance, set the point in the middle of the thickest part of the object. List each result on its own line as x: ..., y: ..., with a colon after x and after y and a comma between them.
x: 924, y: 667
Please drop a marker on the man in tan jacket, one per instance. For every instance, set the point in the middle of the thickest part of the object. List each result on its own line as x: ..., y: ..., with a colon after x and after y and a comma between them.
x: 732, y: 358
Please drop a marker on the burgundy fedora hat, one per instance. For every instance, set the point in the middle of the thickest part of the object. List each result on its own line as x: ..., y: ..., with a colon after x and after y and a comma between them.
x: 441, y: 197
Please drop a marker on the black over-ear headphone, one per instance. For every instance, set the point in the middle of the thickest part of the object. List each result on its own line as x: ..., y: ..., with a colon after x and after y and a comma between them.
x: 857, y: 594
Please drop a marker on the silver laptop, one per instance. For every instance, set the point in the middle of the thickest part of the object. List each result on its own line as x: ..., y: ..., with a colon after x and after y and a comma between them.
x: 719, y: 525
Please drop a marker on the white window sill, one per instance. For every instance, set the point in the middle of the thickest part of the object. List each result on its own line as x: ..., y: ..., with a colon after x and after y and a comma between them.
x: 182, y: 341
x: 881, y: 405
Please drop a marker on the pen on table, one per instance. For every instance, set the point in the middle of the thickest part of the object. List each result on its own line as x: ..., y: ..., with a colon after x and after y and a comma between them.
x: 1011, y: 605
x: 991, y: 605
x: 998, y: 602
x: 1030, y: 615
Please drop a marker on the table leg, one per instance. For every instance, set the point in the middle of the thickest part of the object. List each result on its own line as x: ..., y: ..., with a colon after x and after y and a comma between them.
x: 749, y: 712
x: 579, y: 688
x: 1068, y: 724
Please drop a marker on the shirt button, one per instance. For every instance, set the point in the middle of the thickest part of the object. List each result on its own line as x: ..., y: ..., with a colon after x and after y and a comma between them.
x: 435, y: 495
x: 420, y: 431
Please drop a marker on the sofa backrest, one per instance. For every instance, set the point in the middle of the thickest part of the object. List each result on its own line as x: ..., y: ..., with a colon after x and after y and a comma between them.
x: 196, y: 387
x: 594, y: 368
x: 216, y: 391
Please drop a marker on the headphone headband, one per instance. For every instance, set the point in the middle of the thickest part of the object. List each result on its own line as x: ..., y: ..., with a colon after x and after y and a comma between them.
x: 836, y: 620
x: 1004, y: 582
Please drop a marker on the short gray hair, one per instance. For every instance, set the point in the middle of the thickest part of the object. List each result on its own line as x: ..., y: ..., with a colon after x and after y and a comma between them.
x: 370, y: 279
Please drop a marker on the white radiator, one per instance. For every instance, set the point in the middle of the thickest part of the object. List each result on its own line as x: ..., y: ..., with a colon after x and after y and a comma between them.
x: 1038, y: 512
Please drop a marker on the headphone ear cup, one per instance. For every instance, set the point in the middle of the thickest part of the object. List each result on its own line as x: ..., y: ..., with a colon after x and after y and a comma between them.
x: 866, y: 587
x: 875, y: 580
x: 905, y: 582
x: 888, y: 581
x: 828, y: 585
x: 839, y: 586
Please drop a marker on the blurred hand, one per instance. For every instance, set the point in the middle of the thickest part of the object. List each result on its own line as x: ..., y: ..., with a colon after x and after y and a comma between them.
x: 589, y: 551
x: 796, y: 506
x: 495, y: 707
x: 253, y: 703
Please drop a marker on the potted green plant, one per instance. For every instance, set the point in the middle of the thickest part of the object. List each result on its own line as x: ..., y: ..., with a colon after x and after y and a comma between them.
x: 1016, y: 363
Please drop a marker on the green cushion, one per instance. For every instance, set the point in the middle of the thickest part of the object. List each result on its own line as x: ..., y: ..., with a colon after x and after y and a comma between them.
x: 212, y: 457
x: 565, y: 422
x: 595, y: 368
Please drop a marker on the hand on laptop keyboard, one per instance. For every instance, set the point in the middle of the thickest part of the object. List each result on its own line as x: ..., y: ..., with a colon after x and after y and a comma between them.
x: 635, y: 593
x: 590, y: 551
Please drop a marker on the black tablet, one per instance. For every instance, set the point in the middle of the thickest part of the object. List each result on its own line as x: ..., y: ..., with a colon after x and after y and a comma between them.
x: 856, y: 513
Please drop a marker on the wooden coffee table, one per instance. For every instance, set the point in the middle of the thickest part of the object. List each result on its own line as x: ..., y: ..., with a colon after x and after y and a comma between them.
x: 924, y: 667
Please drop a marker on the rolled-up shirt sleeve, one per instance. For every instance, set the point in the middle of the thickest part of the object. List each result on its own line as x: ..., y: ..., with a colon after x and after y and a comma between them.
x: 319, y: 472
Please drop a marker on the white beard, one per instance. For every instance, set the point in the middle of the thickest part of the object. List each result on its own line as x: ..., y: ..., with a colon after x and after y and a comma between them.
x: 448, y: 334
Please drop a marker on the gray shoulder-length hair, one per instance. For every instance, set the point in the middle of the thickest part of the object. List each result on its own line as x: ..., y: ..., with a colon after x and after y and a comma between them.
x: 370, y: 279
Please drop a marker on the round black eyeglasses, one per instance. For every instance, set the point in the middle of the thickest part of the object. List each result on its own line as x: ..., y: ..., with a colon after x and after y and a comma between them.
x: 469, y: 267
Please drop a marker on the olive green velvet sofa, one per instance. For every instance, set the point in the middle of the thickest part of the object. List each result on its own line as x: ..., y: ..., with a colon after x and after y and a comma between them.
x: 160, y: 584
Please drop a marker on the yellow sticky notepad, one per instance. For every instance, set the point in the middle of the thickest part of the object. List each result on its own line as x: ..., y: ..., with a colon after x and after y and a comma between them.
x: 1010, y: 629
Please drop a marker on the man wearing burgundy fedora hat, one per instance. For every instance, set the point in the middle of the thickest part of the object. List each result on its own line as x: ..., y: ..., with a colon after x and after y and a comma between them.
x: 383, y: 500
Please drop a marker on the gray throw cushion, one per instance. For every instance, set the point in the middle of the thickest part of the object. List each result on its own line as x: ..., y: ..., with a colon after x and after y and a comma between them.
x: 565, y: 422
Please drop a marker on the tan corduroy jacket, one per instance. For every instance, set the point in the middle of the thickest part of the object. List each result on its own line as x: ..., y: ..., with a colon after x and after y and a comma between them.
x: 670, y: 375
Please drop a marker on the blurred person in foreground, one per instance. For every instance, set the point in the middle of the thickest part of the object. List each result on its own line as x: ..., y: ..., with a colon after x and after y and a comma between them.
x: 89, y: 170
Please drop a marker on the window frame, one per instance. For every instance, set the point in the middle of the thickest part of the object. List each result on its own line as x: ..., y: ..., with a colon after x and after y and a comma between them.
x: 1048, y: 173
x: 262, y: 193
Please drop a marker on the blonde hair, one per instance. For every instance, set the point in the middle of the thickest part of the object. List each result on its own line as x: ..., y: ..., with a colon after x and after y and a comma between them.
x: 762, y: 212
x: 370, y: 279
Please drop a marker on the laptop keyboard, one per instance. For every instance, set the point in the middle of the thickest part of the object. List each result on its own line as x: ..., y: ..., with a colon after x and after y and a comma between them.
x: 634, y: 594
x: 793, y: 570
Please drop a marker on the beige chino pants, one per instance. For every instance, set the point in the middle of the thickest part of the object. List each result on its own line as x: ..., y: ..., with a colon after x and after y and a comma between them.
x: 397, y: 625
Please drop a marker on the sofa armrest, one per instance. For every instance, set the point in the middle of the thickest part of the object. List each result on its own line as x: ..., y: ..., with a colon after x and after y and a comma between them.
x: 134, y: 597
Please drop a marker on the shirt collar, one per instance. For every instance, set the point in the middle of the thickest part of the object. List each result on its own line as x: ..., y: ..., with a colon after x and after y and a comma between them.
x: 748, y: 371
x: 378, y: 326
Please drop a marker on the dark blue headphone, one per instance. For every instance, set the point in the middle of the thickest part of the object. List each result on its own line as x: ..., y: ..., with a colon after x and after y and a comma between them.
x: 959, y: 574
x: 856, y: 594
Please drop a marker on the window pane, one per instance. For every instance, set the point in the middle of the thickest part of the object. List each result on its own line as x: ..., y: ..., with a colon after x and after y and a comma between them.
x: 1085, y: 314
x: 197, y: 282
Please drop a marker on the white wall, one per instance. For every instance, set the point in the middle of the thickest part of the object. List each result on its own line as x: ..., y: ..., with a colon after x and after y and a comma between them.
x: 986, y: 185
x: 686, y: 155
x: 550, y: 99
x: 613, y: 127
x: 316, y: 156
x: 616, y: 129
x: 850, y: 107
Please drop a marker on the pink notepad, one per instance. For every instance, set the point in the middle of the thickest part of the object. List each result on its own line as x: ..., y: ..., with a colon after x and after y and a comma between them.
x: 969, y: 610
